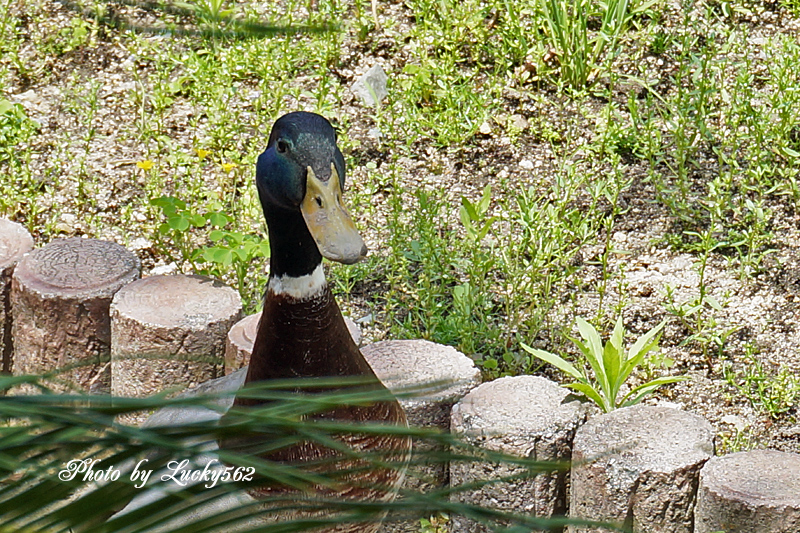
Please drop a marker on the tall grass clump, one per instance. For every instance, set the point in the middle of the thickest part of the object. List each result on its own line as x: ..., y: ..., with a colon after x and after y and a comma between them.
x: 584, y: 53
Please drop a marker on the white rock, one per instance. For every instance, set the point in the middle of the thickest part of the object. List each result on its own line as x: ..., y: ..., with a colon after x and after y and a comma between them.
x: 171, y: 268
x: 140, y: 243
x: 371, y: 87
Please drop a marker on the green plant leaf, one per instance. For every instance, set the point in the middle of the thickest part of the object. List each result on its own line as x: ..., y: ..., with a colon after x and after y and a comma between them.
x: 592, y: 338
x: 613, y: 354
x: 178, y: 223
x: 5, y: 106
x: 643, y: 345
x: 483, y: 204
x: 240, y: 254
x: 218, y: 219
x: 591, y: 393
x: 554, y: 360
x: 469, y: 209
x: 197, y: 220
x: 637, y: 394
x: 593, y: 350
x: 711, y: 301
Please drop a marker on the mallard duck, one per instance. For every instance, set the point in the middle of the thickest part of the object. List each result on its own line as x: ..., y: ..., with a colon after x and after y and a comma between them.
x: 302, y: 334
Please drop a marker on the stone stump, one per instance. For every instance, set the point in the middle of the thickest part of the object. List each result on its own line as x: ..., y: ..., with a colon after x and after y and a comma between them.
x: 750, y: 492
x: 239, y: 344
x: 60, y: 299
x: 639, y: 467
x: 523, y: 416
x: 429, y: 379
x: 169, y: 332
x: 15, y: 241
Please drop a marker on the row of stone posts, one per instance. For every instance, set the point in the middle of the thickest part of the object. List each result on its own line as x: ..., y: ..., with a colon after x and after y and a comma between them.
x: 76, y: 311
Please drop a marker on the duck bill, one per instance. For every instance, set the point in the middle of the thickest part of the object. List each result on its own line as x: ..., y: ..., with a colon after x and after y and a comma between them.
x: 328, y: 221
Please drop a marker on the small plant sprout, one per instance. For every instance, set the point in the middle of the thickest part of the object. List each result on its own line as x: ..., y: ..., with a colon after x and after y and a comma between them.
x: 611, y: 365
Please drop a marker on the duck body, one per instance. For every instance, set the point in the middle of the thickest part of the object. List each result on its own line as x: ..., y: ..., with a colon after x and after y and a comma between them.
x: 302, y: 333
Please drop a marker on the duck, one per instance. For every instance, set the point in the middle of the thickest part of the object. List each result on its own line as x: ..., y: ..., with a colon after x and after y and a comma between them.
x: 300, y: 179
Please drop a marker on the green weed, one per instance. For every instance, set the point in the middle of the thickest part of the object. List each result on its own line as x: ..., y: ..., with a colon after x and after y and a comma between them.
x: 228, y: 255
x: 435, y: 524
x: 774, y: 393
x: 583, y: 54
x: 699, y: 314
x: 15, y: 128
x: 611, y: 365
x: 736, y: 440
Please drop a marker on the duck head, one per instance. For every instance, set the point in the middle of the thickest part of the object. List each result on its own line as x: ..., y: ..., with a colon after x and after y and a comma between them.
x: 300, y: 179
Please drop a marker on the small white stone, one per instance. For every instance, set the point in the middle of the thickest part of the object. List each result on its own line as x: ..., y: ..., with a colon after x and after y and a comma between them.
x: 161, y: 270
x: 140, y: 243
x: 526, y: 164
x: 366, y: 319
x: 371, y: 87
x: 734, y: 420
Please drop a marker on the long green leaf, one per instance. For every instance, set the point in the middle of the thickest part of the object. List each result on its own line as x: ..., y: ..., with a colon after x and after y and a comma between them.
x: 47, y: 431
x: 554, y: 360
x: 643, y: 345
x: 592, y: 394
x: 613, y: 354
x: 594, y: 354
x: 637, y: 394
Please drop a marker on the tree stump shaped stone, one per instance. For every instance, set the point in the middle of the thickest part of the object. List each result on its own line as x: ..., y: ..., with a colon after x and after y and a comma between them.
x: 239, y: 344
x: 523, y: 416
x: 169, y: 332
x: 60, y: 297
x: 750, y: 492
x: 15, y: 241
x: 639, y: 467
x: 429, y: 379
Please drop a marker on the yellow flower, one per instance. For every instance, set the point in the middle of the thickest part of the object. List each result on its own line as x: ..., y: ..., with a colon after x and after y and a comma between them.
x: 145, y: 165
x: 202, y: 154
x: 227, y: 167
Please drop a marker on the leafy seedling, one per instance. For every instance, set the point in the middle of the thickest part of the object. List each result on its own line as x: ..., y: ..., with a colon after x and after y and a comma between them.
x: 611, y: 365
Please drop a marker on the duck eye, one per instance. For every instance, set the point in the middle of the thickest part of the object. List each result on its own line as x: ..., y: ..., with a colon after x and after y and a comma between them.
x: 282, y: 146
x: 319, y: 201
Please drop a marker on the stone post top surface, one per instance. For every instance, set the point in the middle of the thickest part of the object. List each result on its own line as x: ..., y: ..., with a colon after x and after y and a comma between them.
x: 765, y: 477
x: 517, y: 405
x: 177, y: 301
x: 653, y: 438
x: 78, y: 267
x: 439, y: 372
x: 15, y: 241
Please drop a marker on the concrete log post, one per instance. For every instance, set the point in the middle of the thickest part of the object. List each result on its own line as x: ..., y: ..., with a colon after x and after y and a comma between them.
x: 60, y: 298
x: 639, y: 467
x: 750, y: 492
x: 15, y: 241
x: 429, y: 378
x: 169, y: 332
x: 523, y: 416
